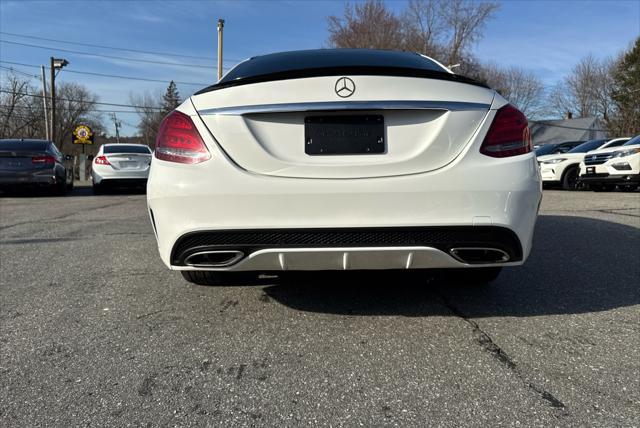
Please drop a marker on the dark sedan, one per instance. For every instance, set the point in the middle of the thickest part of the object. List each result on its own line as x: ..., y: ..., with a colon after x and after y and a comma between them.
x: 34, y: 163
x: 555, y: 148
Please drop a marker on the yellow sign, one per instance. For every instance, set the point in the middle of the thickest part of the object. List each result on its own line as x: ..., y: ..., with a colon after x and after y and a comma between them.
x: 82, y: 135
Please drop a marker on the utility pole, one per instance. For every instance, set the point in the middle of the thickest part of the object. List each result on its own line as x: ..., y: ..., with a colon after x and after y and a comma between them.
x: 44, y: 100
x: 56, y: 64
x: 53, y: 101
x: 117, y: 124
x: 220, y: 28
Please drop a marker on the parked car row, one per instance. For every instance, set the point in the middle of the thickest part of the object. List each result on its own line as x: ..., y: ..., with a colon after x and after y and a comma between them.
x: 38, y: 164
x: 595, y: 164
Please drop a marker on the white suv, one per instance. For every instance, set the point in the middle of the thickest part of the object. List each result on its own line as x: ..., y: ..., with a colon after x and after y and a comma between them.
x: 605, y: 168
x: 563, y: 168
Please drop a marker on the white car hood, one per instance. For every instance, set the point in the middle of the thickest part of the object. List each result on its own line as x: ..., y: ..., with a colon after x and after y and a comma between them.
x: 614, y: 149
x: 567, y: 156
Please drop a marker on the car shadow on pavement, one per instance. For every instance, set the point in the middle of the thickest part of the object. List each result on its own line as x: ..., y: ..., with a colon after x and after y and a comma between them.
x: 75, y: 192
x: 578, y: 265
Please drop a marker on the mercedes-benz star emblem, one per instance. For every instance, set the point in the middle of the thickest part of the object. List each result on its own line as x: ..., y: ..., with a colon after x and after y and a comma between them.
x: 345, y: 87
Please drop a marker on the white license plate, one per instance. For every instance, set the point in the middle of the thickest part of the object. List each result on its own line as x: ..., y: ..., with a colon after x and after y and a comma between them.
x: 128, y: 164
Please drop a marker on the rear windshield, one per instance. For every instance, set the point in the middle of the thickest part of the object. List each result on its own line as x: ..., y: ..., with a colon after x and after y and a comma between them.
x: 617, y: 143
x: 334, y: 62
x: 328, y: 58
x: 124, y: 148
x: 634, y: 140
x: 547, y: 149
x: 23, y: 145
x: 589, y: 145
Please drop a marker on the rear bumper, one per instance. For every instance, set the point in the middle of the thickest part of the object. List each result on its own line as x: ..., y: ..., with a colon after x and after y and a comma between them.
x: 122, y: 182
x: 605, y: 178
x: 108, y: 174
x: 352, y: 248
x: 473, y: 191
x: 38, y: 177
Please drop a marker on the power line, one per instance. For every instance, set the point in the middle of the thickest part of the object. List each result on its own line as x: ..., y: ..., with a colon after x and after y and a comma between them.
x: 84, y: 101
x: 6, y: 108
x: 14, y: 70
x: 115, y: 48
x: 148, y: 61
x: 91, y: 73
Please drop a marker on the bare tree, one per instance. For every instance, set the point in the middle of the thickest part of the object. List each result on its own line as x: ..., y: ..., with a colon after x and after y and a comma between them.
x: 148, y: 107
x: 446, y: 29
x: 21, y: 115
x: 424, y: 27
x: 366, y: 25
x: 443, y: 29
x: 522, y: 88
x: 22, y: 111
x: 75, y: 106
x: 152, y: 108
x: 586, y: 91
x: 465, y: 20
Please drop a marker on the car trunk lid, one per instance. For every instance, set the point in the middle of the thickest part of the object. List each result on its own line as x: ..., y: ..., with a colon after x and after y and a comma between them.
x: 129, y: 161
x: 265, y: 127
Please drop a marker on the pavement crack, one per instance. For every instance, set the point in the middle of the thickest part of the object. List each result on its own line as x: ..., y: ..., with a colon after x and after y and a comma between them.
x: 487, y: 343
x: 64, y: 216
x: 148, y: 314
x: 617, y: 212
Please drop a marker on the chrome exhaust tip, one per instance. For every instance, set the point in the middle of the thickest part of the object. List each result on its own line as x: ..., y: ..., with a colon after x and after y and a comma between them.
x: 222, y: 258
x: 479, y: 255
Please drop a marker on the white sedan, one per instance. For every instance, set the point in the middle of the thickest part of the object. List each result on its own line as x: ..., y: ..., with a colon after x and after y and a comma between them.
x: 117, y: 165
x: 564, y: 168
x: 343, y: 159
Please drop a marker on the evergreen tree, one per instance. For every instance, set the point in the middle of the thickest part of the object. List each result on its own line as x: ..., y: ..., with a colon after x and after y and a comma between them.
x: 626, y: 93
x: 171, y: 98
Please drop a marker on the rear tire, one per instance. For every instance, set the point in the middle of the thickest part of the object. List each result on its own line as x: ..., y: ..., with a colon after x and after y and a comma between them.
x: 203, y: 277
x: 60, y: 189
x: 97, y: 189
x: 476, y: 276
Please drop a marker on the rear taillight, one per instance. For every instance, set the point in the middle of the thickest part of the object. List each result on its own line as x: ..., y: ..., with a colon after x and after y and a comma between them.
x: 102, y: 160
x: 43, y: 160
x: 179, y: 141
x: 508, y: 135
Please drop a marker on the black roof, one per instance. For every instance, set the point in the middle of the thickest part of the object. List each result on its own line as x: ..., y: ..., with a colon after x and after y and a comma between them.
x: 327, y: 62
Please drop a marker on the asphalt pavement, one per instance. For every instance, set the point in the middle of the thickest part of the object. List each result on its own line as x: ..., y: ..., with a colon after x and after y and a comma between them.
x: 95, y: 331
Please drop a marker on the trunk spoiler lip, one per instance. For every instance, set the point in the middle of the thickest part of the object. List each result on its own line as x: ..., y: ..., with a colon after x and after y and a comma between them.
x: 344, y: 71
x: 344, y: 106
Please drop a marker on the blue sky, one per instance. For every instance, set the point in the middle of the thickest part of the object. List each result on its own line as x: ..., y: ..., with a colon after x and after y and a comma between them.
x: 546, y: 37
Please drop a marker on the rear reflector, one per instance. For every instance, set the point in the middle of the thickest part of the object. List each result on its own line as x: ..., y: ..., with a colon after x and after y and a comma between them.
x: 43, y: 160
x: 102, y: 160
x: 178, y: 140
x: 508, y: 135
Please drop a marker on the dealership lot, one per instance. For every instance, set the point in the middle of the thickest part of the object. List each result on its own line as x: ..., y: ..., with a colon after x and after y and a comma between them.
x: 95, y: 330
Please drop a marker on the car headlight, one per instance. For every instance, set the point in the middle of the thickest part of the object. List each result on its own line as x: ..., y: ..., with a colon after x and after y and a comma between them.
x: 628, y: 152
x: 553, y: 161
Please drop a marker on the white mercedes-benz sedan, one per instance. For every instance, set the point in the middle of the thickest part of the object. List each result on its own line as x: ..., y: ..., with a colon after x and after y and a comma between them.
x: 343, y: 159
